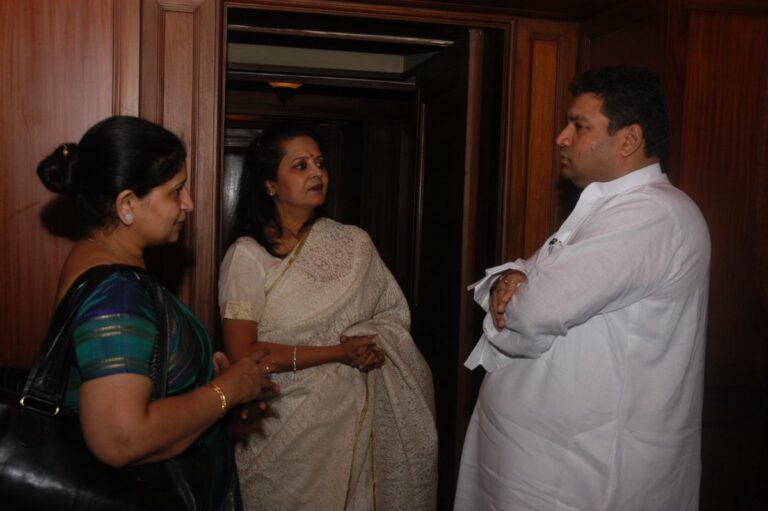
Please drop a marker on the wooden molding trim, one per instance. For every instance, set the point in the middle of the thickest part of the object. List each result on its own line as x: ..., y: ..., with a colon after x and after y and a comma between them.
x: 180, y: 5
x: 437, y: 14
x: 749, y: 7
x: 542, y: 125
x: 126, y: 19
x: 545, y: 62
x: 468, y: 241
x: 180, y: 89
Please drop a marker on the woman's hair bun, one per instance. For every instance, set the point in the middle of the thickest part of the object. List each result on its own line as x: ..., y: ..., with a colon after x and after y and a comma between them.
x: 115, y: 154
x: 56, y: 171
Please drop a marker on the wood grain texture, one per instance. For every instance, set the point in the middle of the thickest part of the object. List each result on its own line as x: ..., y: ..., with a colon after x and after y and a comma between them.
x: 637, y: 33
x: 56, y: 80
x: 712, y: 58
x: 542, y: 125
x: 720, y: 168
x: 469, y: 240
x: 126, y: 54
x: 180, y: 88
x: 544, y: 9
x: 632, y: 32
x: 545, y: 62
x: 406, y: 10
x: 722, y: 158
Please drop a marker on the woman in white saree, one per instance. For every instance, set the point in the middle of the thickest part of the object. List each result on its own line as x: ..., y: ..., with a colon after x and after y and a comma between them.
x: 353, y: 427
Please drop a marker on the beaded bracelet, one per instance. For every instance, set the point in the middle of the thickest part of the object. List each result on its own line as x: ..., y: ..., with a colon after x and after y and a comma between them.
x: 294, y: 360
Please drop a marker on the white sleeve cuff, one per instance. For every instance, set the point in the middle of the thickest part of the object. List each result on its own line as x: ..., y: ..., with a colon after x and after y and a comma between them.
x: 485, y: 353
x: 483, y: 286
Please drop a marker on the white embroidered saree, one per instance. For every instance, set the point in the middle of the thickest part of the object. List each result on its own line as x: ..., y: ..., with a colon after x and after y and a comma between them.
x: 337, y: 439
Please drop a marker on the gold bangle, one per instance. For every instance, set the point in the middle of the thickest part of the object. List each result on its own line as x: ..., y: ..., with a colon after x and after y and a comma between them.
x: 222, y: 396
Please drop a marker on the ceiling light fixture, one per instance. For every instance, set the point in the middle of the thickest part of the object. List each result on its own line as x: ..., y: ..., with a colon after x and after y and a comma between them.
x: 284, y: 90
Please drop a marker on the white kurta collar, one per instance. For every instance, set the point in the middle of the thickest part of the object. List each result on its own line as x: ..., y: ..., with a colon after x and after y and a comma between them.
x: 639, y: 177
x: 597, y: 191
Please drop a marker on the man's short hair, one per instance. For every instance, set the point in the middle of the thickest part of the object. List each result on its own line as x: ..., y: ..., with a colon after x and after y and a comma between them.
x: 631, y: 95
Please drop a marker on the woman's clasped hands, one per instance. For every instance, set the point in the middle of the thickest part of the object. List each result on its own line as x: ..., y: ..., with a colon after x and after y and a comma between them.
x: 362, y: 352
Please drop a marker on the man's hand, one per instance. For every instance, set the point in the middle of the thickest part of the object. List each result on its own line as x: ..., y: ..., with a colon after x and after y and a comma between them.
x: 501, y: 293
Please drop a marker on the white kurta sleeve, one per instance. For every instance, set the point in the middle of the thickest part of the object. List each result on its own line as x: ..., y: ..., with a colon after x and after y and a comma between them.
x: 615, y: 259
x: 241, y: 280
x: 485, y: 353
x: 483, y: 286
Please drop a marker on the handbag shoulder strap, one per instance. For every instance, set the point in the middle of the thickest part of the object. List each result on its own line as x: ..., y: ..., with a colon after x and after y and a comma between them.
x: 47, y: 381
x: 158, y: 366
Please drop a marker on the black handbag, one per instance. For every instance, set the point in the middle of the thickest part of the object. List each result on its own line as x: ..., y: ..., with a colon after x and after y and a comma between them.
x: 44, y: 461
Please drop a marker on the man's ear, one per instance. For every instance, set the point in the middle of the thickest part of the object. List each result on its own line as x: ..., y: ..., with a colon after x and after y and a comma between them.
x: 632, y: 140
x: 124, y: 204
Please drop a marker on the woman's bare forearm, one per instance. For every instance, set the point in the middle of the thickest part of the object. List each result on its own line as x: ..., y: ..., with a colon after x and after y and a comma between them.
x: 241, y: 338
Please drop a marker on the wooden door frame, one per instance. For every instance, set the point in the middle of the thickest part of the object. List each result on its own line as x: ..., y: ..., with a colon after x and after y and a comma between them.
x: 468, y: 270
x: 181, y: 68
x: 64, y: 67
x: 182, y: 86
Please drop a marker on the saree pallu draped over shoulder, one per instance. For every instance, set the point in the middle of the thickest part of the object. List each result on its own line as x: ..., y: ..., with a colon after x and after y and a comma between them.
x: 337, y: 438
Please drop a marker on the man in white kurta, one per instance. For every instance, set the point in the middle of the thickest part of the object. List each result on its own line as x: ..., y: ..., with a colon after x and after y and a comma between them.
x: 593, y: 395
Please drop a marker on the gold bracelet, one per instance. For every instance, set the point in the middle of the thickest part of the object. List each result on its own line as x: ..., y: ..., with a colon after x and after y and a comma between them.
x: 222, y: 396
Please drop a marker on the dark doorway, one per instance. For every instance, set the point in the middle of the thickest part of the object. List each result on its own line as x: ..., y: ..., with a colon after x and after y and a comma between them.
x: 410, y: 115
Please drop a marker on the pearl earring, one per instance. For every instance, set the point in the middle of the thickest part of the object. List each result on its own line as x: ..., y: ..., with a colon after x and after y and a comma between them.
x: 128, y: 217
x: 271, y: 193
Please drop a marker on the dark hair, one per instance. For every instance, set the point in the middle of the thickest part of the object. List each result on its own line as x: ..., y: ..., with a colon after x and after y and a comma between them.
x: 631, y: 95
x: 116, y: 154
x: 255, y: 210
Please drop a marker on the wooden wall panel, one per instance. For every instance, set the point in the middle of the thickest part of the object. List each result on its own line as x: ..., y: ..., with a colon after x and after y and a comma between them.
x: 632, y: 32
x: 542, y: 174
x: 722, y: 167
x: 720, y: 156
x: 544, y: 64
x: 65, y: 65
x: 470, y: 235
x: 639, y: 42
x: 635, y: 32
x: 712, y: 57
x: 180, y: 88
x: 127, y: 55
